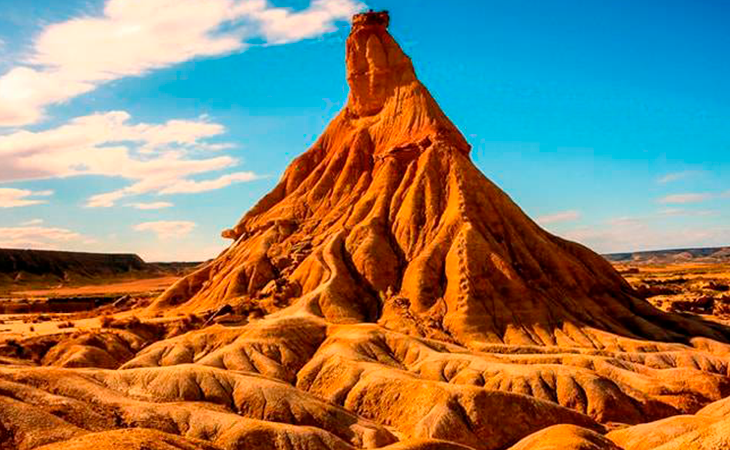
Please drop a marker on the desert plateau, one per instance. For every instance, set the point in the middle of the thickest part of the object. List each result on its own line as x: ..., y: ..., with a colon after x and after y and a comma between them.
x: 385, y: 294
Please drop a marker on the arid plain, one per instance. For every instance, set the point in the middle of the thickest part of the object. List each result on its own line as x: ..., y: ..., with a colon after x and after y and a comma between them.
x: 385, y: 294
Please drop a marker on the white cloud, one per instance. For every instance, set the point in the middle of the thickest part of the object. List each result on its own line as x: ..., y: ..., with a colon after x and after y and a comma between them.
x: 676, y: 176
x: 677, y: 212
x: 37, y: 237
x: 133, y: 37
x: 280, y: 25
x: 623, y: 234
x: 12, y: 198
x: 32, y: 222
x: 152, y: 205
x: 155, y: 157
x: 106, y: 200
x: 564, y: 216
x: 167, y: 229
x: 685, y: 198
x: 672, y: 212
x: 24, y: 92
x: 193, y: 187
x: 172, y: 251
x: 107, y: 132
x: 168, y: 182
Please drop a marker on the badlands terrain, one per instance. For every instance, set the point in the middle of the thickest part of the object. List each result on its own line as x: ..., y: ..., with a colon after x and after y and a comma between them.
x: 692, y: 285
x: 387, y: 295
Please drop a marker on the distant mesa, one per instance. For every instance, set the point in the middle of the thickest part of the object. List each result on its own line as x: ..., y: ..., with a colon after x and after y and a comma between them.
x: 19, y: 267
x: 712, y: 255
x: 61, y: 263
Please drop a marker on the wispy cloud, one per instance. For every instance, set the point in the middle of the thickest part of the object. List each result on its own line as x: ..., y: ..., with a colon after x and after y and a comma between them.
x: 32, y: 222
x: 155, y: 157
x: 151, y: 205
x: 653, y: 231
x: 13, y: 198
x: 644, y: 233
x: 677, y: 212
x: 171, y: 251
x: 672, y: 212
x: 38, y: 237
x: 167, y: 229
x: 685, y: 198
x: 134, y: 37
x: 564, y: 216
x: 281, y: 25
x: 194, y: 187
x: 676, y: 176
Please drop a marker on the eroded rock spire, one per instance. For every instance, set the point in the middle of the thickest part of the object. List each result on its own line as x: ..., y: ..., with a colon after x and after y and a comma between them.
x: 376, y: 65
x: 386, y: 219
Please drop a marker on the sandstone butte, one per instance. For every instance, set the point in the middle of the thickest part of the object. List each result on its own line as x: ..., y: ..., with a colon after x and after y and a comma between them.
x: 390, y: 297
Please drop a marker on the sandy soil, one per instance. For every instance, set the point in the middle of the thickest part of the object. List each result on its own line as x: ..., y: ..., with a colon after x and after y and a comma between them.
x: 35, y: 324
x: 14, y: 325
x: 689, y: 287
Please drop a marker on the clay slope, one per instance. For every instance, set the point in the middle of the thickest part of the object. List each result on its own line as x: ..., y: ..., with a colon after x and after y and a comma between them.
x: 384, y: 295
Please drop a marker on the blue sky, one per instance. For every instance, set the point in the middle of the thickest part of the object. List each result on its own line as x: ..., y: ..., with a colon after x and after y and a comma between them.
x: 150, y: 125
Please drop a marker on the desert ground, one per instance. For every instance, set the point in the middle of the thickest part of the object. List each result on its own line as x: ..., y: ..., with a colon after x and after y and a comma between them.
x: 51, y: 303
x: 385, y: 294
x: 120, y: 287
x: 232, y: 348
x: 698, y: 288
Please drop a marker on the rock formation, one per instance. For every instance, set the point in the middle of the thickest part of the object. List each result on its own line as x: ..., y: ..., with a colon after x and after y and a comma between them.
x: 390, y: 297
x: 387, y: 219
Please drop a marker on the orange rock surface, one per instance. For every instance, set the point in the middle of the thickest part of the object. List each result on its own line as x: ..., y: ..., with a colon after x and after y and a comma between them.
x: 388, y: 295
